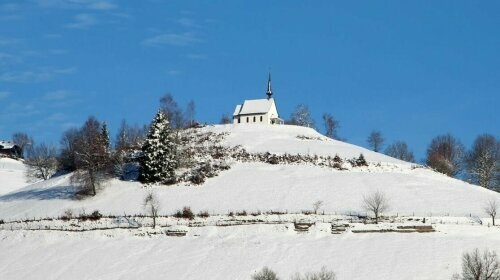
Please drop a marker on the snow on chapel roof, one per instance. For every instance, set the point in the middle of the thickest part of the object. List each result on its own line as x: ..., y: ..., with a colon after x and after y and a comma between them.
x: 256, y: 106
x: 237, y: 110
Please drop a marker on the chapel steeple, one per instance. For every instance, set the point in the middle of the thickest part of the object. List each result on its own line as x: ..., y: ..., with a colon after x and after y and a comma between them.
x: 269, y: 90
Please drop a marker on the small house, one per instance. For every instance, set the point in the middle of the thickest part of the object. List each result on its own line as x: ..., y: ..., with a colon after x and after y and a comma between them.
x: 258, y: 111
x: 9, y: 149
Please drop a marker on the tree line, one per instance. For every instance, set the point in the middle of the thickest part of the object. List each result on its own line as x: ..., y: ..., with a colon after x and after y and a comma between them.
x: 89, y: 154
x: 480, y: 164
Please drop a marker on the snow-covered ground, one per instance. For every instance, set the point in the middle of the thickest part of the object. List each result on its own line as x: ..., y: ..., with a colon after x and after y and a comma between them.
x: 264, y: 187
x: 12, y: 175
x: 281, y: 139
x: 214, y: 252
x: 237, y: 252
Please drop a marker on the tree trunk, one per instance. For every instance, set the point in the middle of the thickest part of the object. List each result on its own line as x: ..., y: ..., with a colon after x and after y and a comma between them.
x: 493, y: 217
x: 154, y: 221
x: 92, y: 182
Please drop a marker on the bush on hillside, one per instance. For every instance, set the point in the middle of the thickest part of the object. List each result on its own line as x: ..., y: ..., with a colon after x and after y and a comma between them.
x: 186, y: 213
x: 203, y: 214
x: 361, y: 161
x: 95, y: 216
x: 337, y: 159
x: 265, y: 274
x: 323, y: 274
x: 477, y: 265
x: 67, y: 215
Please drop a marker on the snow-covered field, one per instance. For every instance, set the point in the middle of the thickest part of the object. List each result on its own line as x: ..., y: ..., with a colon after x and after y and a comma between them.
x: 212, y: 252
x: 237, y: 252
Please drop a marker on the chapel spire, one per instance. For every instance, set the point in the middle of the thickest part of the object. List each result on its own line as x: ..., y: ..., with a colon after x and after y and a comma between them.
x: 269, y: 90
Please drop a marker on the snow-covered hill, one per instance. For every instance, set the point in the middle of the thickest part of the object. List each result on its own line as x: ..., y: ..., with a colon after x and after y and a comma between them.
x: 292, y: 140
x: 212, y: 252
x: 260, y: 186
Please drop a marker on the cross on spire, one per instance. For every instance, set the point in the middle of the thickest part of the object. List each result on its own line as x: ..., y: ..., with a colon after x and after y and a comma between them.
x: 269, y: 90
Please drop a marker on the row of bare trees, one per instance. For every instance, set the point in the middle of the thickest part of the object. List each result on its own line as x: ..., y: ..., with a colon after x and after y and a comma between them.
x: 446, y: 154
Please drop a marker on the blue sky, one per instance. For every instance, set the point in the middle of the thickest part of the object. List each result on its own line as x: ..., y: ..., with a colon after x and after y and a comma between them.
x: 412, y: 69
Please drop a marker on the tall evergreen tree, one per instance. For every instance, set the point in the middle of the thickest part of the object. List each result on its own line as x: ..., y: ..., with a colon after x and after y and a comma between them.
x: 105, y: 137
x: 159, y: 160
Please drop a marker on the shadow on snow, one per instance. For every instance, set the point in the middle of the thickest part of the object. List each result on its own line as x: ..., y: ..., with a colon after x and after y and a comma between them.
x: 62, y: 192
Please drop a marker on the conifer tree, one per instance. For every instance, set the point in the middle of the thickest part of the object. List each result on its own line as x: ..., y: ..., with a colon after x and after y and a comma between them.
x: 105, y: 137
x: 159, y: 160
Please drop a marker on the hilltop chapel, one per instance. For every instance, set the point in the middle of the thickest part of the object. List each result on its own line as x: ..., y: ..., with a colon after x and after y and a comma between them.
x: 259, y: 111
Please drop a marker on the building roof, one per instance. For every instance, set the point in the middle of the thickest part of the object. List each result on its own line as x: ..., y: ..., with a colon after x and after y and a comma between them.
x: 237, y: 110
x: 256, y: 106
x: 6, y: 145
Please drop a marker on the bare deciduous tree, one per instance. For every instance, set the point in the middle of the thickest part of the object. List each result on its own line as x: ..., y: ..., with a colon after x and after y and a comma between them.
x: 477, y: 266
x: 22, y: 140
x: 399, y: 150
x: 331, y: 126
x: 130, y: 137
x: 265, y: 274
x: 445, y: 154
x: 152, y: 205
x: 483, y: 161
x: 302, y: 116
x: 174, y: 114
x: 376, y: 203
x: 225, y: 119
x: 67, y: 156
x: 375, y: 140
x: 93, y: 159
x: 190, y: 113
x: 317, y: 205
x: 41, y: 161
x: 323, y: 274
x: 491, y: 208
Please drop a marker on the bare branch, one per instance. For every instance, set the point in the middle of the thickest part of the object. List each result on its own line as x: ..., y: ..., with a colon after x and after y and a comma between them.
x: 376, y: 203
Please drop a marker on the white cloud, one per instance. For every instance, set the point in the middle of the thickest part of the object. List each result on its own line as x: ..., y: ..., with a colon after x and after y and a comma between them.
x: 77, y: 4
x: 57, y: 95
x: 173, y: 39
x: 102, y: 5
x: 82, y: 21
x: 38, y: 75
x: 187, y: 22
x: 9, y: 41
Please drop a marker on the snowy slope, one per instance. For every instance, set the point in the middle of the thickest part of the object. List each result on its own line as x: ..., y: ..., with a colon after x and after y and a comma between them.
x: 280, y: 139
x: 12, y: 175
x: 258, y: 186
